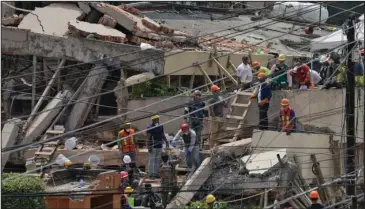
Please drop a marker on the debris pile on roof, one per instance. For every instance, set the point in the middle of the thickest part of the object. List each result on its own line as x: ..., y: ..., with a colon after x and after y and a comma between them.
x: 12, y: 21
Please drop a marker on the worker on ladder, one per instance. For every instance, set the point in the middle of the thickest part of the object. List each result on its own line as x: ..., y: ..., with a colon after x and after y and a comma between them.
x: 279, y: 74
x: 126, y: 143
x: 263, y: 96
x: 287, y: 117
x: 195, y: 120
x: 168, y: 178
x: 191, y: 147
x: 314, y: 196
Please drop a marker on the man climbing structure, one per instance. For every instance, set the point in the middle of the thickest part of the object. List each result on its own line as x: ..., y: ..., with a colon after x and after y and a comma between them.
x: 287, y: 117
x: 216, y: 112
x: 195, y: 120
x: 126, y: 143
x: 168, y: 178
x: 278, y: 74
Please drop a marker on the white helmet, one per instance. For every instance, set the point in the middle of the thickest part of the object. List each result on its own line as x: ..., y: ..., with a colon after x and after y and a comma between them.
x: 323, y: 59
x: 127, y: 159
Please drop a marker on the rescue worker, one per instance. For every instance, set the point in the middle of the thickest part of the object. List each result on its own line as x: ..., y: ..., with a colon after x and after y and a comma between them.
x: 155, y: 138
x: 244, y: 74
x: 210, y: 200
x: 314, y: 196
x: 359, y: 70
x: 328, y: 73
x: 302, y: 75
x: 263, y: 97
x: 195, y: 120
x: 150, y: 199
x: 287, y: 117
x: 216, y: 112
x: 123, y: 180
x: 278, y: 73
x: 127, y: 144
x: 257, y: 68
x: 168, y: 178
x: 129, y: 203
x: 191, y: 147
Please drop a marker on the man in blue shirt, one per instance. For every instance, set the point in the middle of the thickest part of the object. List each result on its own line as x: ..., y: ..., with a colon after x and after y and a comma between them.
x: 155, y: 138
x: 263, y: 100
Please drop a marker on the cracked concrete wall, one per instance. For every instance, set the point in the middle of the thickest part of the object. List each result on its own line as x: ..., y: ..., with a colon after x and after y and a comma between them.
x: 23, y: 42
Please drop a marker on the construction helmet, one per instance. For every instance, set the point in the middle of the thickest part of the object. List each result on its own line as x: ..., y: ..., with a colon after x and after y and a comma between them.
x: 261, y: 75
x: 128, y: 190
x: 127, y: 159
x: 123, y: 174
x: 184, y: 127
x: 281, y: 57
x: 214, y: 88
x: 210, y: 199
x: 155, y: 117
x: 127, y: 124
x: 68, y: 163
x: 197, y: 92
x: 256, y: 64
x: 314, y: 195
x: 285, y: 102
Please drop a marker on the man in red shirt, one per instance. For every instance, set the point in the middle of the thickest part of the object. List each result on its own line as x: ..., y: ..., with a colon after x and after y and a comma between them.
x: 302, y: 75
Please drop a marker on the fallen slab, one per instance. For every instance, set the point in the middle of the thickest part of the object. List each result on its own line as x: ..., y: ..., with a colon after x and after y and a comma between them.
x: 8, y: 138
x: 12, y: 20
x: 23, y: 42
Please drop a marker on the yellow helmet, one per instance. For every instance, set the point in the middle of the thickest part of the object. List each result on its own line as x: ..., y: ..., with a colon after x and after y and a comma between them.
x: 67, y: 163
x: 128, y: 190
x: 282, y: 57
x: 155, y: 117
x: 210, y: 199
x: 127, y: 124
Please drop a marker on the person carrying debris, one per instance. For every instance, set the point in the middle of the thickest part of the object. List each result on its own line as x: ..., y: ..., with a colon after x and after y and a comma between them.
x: 257, y: 68
x: 126, y: 143
x: 278, y: 73
x: 263, y: 96
x: 150, y: 199
x: 314, y: 196
x: 168, y: 178
x: 301, y: 73
x: 287, y: 117
x: 216, y: 112
x: 155, y: 138
x: 195, y: 119
x: 244, y: 74
x: 191, y: 147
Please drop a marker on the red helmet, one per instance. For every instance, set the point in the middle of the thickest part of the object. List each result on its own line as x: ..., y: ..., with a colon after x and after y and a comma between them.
x: 184, y: 127
x: 214, y: 88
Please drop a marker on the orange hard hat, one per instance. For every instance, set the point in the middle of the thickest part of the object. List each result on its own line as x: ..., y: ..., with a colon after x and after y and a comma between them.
x: 214, y: 88
x: 285, y: 102
x: 255, y: 64
x: 314, y: 195
x: 261, y: 75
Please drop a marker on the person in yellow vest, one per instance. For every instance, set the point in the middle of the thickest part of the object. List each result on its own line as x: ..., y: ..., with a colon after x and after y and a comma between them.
x: 287, y: 117
x: 256, y: 66
x: 127, y: 144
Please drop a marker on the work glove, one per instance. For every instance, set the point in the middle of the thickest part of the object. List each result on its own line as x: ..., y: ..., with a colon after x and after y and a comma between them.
x: 174, y: 144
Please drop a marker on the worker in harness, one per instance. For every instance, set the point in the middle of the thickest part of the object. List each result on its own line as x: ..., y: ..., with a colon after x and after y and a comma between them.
x: 257, y: 68
x: 191, y: 147
x: 287, y: 117
x: 195, y: 120
x: 126, y: 143
x: 279, y: 75
x: 168, y: 178
x: 302, y: 75
x: 314, y: 196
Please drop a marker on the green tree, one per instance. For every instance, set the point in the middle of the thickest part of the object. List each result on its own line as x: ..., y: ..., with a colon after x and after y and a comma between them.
x: 22, y: 184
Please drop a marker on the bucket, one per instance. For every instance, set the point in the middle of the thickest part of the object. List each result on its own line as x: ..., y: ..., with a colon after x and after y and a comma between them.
x: 70, y: 143
x: 61, y: 160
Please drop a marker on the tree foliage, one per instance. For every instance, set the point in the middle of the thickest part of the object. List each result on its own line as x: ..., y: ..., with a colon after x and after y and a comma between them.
x: 203, y: 205
x: 153, y: 88
x: 22, y: 184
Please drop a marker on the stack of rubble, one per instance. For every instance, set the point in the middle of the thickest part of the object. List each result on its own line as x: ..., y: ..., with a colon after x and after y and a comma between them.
x: 227, y: 45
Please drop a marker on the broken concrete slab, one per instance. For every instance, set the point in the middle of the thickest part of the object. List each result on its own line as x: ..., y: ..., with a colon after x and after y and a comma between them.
x: 23, y: 42
x: 12, y: 20
x: 138, y: 78
x: 107, y: 21
x: 8, y: 138
x: 151, y: 24
x: 130, y: 9
x: 52, y: 19
x: 99, y: 31
x: 84, y: 6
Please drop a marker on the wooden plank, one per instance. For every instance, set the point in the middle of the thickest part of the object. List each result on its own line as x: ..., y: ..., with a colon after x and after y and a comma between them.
x: 225, y: 71
x: 325, y: 198
x: 191, y: 84
x: 205, y: 73
x: 239, y: 105
x: 235, y: 117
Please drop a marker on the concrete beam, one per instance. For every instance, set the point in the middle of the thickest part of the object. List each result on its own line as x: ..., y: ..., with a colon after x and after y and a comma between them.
x: 23, y: 42
x: 8, y: 138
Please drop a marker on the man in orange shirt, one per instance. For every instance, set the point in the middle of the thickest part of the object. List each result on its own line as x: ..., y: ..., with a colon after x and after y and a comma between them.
x: 126, y: 144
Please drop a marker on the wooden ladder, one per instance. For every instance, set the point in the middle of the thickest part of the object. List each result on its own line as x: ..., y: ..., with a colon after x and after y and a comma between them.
x: 46, y: 151
x: 235, y: 120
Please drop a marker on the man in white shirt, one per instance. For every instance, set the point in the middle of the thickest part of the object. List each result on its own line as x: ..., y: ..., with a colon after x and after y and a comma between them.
x: 244, y: 74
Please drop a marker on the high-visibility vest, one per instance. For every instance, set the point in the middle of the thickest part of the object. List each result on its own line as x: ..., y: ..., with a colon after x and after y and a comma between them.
x: 127, y: 144
x: 285, y: 119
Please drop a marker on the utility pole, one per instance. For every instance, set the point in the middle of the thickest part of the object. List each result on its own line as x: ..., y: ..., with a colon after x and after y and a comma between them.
x: 350, y: 105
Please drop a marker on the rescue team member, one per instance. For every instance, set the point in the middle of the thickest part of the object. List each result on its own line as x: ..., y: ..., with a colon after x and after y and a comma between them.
x: 302, y: 75
x: 150, y: 199
x: 278, y: 73
x: 127, y: 200
x: 244, y: 74
x: 191, y: 147
x: 210, y: 200
x: 257, y: 68
x: 195, y: 120
x: 123, y: 180
x: 216, y: 112
x: 287, y: 117
x: 314, y: 196
x: 263, y: 96
x: 126, y: 143
x: 155, y: 138
x: 168, y: 178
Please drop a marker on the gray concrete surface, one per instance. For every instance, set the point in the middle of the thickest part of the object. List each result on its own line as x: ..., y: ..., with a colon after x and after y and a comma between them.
x: 8, y: 138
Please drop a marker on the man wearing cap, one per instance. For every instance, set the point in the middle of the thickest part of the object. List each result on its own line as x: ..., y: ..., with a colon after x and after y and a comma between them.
x: 279, y: 74
x: 126, y: 143
x: 263, y: 96
x: 244, y: 74
x: 216, y: 112
x: 155, y: 138
x: 257, y: 68
x: 314, y: 196
x: 287, y: 117
x: 195, y: 119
